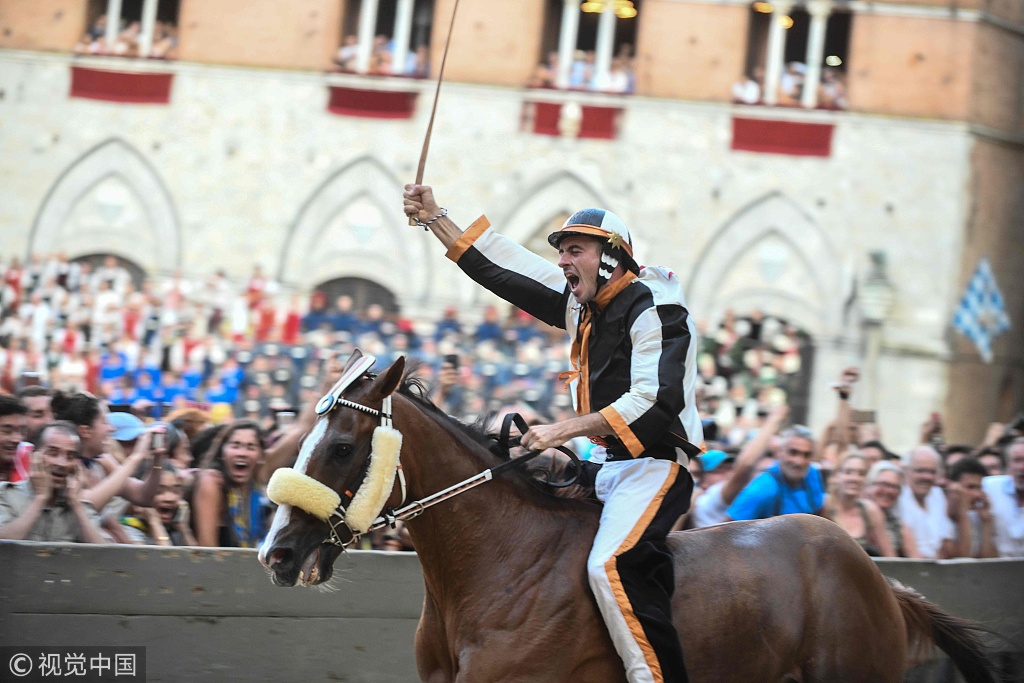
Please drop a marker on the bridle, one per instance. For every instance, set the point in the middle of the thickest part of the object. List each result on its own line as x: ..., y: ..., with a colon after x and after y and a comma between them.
x: 339, y: 515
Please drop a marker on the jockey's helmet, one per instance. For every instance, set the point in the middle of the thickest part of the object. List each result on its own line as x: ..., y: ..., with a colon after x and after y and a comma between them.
x: 609, y: 228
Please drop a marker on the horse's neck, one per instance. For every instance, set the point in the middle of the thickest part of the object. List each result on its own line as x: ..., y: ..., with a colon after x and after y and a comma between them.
x: 455, y: 537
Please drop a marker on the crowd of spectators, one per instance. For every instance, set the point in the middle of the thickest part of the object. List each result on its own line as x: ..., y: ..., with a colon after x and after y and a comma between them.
x: 936, y: 501
x: 583, y: 75
x: 156, y: 412
x: 831, y: 89
x: 382, y: 63
x: 127, y: 44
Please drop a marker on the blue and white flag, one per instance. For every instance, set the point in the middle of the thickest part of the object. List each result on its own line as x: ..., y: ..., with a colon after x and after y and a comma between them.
x: 982, y: 314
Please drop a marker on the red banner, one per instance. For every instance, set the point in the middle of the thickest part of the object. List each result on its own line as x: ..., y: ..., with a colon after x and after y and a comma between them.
x: 374, y: 104
x: 598, y: 123
x: 782, y: 137
x: 121, y: 86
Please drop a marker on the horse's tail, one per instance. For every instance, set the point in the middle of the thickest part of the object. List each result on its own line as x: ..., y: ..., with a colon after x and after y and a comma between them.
x: 929, y: 626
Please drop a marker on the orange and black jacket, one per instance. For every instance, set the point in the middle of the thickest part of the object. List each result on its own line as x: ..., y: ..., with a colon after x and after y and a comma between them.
x: 636, y: 362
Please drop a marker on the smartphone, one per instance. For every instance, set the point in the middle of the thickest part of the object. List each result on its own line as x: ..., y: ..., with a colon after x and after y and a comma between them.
x: 30, y: 379
x: 453, y: 360
x: 285, y: 419
x: 863, y: 416
x: 159, y: 441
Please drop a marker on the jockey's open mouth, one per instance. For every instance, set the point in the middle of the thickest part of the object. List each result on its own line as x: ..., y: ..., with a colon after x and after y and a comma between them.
x: 573, y: 279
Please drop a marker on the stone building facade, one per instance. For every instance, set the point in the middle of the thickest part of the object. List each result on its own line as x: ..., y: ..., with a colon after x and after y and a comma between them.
x: 245, y: 150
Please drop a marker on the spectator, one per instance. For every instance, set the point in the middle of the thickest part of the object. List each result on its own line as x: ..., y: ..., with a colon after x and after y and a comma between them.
x: 1006, y: 494
x: 952, y: 454
x: 723, y: 489
x: 992, y: 458
x: 923, y: 506
x: 748, y: 91
x: 345, y: 59
x: 967, y: 498
x: 860, y: 518
x: 792, y: 485
x: 167, y: 522
x: 874, y: 452
x: 49, y: 507
x: 884, y: 484
x: 105, y: 476
x: 13, y: 467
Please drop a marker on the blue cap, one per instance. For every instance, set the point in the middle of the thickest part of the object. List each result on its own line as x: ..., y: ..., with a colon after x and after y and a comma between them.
x: 713, y: 459
x: 127, y: 427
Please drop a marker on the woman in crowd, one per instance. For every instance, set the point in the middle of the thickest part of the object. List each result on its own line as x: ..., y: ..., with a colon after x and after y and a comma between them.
x: 862, y: 519
x: 229, y: 506
x: 884, y: 483
x: 167, y: 522
x: 228, y: 500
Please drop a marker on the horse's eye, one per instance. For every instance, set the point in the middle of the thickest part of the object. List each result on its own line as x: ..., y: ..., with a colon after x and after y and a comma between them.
x: 342, y: 450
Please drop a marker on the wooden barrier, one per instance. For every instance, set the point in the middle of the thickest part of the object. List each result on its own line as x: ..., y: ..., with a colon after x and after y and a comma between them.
x: 213, y: 615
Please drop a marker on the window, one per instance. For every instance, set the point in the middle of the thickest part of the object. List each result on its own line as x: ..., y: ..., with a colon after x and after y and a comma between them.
x: 389, y: 37
x: 364, y: 293
x: 787, y: 78
x: 144, y: 28
x: 589, y: 46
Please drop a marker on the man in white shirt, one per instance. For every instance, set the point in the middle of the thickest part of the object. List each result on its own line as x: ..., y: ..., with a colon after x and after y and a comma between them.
x: 1006, y: 494
x: 923, y: 507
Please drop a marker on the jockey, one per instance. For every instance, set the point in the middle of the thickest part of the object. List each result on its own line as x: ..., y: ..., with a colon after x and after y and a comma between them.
x: 632, y: 382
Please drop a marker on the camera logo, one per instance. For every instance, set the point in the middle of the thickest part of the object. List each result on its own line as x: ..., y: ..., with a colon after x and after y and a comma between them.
x: 21, y: 665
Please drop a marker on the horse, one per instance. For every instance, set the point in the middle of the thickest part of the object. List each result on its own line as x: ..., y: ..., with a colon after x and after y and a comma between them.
x: 507, y: 598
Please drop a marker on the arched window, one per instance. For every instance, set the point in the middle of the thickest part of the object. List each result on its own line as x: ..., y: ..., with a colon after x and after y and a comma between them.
x: 363, y: 292
x: 589, y: 46
x: 144, y: 28
x: 389, y: 38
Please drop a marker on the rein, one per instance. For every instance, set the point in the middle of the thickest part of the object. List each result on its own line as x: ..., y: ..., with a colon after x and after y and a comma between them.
x: 289, y: 487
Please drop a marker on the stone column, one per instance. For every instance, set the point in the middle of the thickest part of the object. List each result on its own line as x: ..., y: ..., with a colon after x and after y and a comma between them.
x: 605, y: 44
x: 567, y: 41
x: 367, y: 28
x: 148, y: 26
x: 819, y: 11
x: 403, y: 31
x: 113, y: 23
x: 776, y: 51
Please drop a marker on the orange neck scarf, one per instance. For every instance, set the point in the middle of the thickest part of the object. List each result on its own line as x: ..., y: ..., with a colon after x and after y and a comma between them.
x: 581, y: 345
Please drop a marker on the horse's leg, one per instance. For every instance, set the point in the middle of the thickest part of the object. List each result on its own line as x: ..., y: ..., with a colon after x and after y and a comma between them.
x: 433, y: 662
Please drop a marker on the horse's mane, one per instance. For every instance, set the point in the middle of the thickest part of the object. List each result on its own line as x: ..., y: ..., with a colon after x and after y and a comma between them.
x: 413, y: 388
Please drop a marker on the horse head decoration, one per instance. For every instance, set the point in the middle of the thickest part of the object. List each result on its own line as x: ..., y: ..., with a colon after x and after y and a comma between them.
x: 344, y: 476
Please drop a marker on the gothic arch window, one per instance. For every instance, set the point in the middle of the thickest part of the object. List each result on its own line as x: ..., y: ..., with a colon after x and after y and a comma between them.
x: 349, y: 228
x: 110, y: 201
x: 774, y: 257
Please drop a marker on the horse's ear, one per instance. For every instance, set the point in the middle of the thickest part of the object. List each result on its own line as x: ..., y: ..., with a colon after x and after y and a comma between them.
x: 356, y: 355
x: 387, y: 382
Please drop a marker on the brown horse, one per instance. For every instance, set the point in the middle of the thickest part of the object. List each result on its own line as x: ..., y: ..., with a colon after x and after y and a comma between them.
x: 504, y: 565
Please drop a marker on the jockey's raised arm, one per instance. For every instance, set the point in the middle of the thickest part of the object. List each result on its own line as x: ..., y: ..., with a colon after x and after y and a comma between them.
x: 502, y: 266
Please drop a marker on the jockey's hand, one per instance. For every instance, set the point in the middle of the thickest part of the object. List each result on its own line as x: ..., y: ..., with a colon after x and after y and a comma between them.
x: 541, y: 437
x: 419, y: 202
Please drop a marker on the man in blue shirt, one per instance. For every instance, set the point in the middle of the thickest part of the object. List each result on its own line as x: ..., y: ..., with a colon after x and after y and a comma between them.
x: 788, y: 487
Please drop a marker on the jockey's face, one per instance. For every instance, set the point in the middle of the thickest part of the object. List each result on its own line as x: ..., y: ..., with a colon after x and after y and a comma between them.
x: 579, y: 257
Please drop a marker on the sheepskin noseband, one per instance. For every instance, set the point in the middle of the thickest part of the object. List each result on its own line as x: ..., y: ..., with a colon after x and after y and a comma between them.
x: 291, y: 487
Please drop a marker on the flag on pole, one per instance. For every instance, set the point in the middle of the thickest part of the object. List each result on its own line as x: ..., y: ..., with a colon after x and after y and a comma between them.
x: 981, y: 316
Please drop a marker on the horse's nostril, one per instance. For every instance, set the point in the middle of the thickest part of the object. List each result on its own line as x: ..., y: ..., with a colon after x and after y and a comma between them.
x: 279, y: 556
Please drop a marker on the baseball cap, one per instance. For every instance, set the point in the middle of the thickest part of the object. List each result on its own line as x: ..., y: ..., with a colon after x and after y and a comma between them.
x: 713, y: 459
x: 127, y: 427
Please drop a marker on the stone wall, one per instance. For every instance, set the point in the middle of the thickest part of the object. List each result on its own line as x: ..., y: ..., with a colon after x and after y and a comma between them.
x: 247, y: 166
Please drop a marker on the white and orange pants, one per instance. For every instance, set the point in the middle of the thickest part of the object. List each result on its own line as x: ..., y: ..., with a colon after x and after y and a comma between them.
x: 630, y: 568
